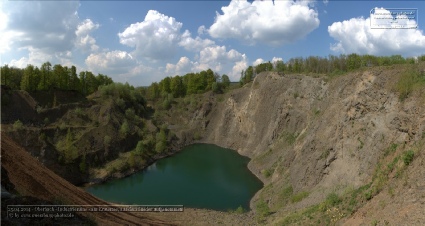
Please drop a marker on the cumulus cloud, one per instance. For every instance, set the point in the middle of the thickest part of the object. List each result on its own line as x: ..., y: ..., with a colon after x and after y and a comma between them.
x: 356, y: 36
x: 194, y: 44
x: 269, y: 22
x: 202, y: 30
x: 84, y: 40
x: 156, y: 37
x: 47, y: 26
x: 183, y: 66
x: 216, y: 58
x: 113, y: 62
x: 275, y: 59
x: 257, y: 62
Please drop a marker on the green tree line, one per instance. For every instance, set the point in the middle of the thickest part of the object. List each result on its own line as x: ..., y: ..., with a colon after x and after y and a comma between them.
x: 326, y: 65
x: 191, y: 83
x: 47, y: 77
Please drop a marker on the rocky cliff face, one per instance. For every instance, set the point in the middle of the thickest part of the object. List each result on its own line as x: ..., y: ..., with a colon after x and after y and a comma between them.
x: 317, y: 134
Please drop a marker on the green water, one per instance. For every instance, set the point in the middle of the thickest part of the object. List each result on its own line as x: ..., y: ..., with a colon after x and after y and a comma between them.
x: 200, y: 176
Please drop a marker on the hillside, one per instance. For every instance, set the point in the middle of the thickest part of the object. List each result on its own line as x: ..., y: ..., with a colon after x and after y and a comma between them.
x: 30, y: 178
x: 345, y: 149
x: 309, y: 137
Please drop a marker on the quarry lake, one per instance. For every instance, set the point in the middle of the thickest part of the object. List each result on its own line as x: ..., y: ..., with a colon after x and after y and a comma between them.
x: 199, y: 176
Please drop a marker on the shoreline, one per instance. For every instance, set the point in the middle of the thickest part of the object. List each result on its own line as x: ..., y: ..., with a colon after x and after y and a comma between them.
x: 121, y: 175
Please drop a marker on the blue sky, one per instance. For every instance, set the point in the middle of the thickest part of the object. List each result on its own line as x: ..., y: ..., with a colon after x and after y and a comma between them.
x: 144, y: 41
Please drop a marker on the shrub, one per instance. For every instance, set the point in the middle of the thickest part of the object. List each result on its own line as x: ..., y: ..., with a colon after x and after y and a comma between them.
x: 120, y: 103
x: 83, y: 164
x: 408, y: 157
x: 130, y: 114
x: 390, y: 149
x: 166, y: 104
x: 125, y: 129
x: 79, y: 112
x: 263, y: 209
x: 408, y: 82
x: 240, y: 209
x: 18, y: 125
x: 267, y: 173
x: 299, y: 196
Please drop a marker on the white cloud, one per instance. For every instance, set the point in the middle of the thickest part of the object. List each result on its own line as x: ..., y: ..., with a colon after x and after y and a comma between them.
x: 272, y: 23
x: 235, y: 74
x: 182, y: 67
x: 275, y: 59
x: 257, y: 62
x: 216, y: 58
x: 84, y: 40
x: 85, y: 27
x: 155, y: 38
x: 47, y: 25
x: 112, y: 63
x: 196, y: 44
x: 202, y: 30
x: 356, y: 36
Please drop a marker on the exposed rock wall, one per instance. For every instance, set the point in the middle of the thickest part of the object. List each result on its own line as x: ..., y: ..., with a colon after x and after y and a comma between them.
x: 339, y: 128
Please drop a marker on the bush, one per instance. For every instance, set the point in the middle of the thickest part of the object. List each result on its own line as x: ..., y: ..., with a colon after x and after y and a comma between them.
x: 166, y: 104
x: 299, y: 196
x: 267, y: 173
x: 18, y: 125
x: 120, y: 103
x: 130, y: 114
x: 125, y: 129
x: 83, y: 164
x: 263, y: 209
x: 79, y: 112
x: 333, y: 199
x: 408, y: 157
x: 408, y: 82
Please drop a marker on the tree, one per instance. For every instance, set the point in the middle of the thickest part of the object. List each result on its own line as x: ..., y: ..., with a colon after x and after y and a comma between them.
x: 74, y: 82
x: 46, y: 71
x: 216, y: 87
x: 140, y: 148
x: 177, y: 87
x: 161, y: 141
x: 30, y: 78
x: 280, y: 66
x: 124, y: 129
x: 225, y: 80
x: 5, y: 74
x: 210, y: 79
x: 164, y: 85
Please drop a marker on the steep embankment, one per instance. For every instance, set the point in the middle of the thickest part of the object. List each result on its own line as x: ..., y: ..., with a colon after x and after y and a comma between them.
x: 31, y: 178
x: 314, y: 136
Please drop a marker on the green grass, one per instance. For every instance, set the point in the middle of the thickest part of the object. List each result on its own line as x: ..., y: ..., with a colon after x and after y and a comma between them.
x: 391, y: 149
x: 286, y: 194
x: 290, y: 138
x: 408, y: 157
x: 408, y: 82
x: 299, y: 196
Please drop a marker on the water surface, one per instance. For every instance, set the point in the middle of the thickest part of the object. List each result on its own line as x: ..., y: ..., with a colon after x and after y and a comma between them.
x: 200, y: 176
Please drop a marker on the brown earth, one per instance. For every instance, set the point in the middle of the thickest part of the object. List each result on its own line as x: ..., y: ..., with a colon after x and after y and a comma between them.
x: 321, y: 136
x: 314, y: 134
x: 31, y: 178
